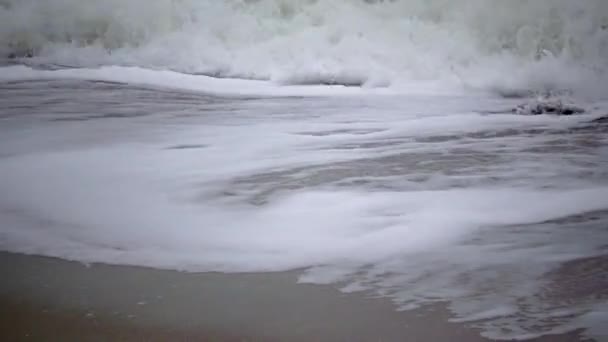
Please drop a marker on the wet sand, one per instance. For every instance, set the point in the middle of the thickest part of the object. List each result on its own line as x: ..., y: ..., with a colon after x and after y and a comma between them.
x: 47, y: 299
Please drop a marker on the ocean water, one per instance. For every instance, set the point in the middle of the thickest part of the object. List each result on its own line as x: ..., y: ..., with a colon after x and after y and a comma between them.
x: 370, y: 144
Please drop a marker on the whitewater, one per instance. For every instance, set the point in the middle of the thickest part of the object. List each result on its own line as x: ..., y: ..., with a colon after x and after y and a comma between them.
x: 372, y: 145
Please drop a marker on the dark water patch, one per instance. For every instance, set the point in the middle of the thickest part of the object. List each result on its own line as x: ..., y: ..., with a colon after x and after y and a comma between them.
x: 592, y: 216
x: 595, y: 126
x: 399, y: 172
x: 551, y: 108
x: 463, y: 164
x: 583, y: 280
x: 362, y: 145
x: 4, y: 61
x: 602, y: 120
x: 187, y: 147
x: 20, y: 53
x: 512, y: 93
x: 347, y: 80
x: 120, y: 90
x: 70, y: 100
x: 103, y: 116
x: 341, y: 131
x: 222, y: 73
x: 488, y: 134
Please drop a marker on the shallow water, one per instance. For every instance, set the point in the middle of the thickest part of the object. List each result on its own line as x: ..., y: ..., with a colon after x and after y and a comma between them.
x: 418, y: 198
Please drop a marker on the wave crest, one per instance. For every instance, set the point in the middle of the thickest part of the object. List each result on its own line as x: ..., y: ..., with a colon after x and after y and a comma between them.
x: 473, y: 42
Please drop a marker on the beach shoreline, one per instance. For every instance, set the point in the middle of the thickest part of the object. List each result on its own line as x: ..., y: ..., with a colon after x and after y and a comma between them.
x: 51, y: 299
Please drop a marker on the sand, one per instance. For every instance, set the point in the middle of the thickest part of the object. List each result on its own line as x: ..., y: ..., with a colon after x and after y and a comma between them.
x: 47, y: 299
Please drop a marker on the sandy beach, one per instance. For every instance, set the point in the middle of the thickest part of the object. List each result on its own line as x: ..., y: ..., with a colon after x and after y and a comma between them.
x: 47, y: 299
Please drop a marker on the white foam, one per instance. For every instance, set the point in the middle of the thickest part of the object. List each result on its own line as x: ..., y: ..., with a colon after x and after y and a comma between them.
x: 496, y: 312
x: 145, y: 205
x: 216, y: 208
x: 200, y: 83
x: 110, y: 205
x: 504, y: 46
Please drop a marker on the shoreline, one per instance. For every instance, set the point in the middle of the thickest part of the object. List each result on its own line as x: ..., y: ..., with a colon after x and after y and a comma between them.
x: 51, y: 299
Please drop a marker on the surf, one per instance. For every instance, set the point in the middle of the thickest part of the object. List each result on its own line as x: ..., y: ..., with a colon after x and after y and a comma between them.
x: 503, y: 47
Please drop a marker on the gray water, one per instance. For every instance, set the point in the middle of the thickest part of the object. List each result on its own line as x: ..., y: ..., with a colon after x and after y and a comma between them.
x: 417, y: 198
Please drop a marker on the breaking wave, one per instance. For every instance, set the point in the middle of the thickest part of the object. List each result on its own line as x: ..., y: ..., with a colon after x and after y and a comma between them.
x: 507, y: 46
